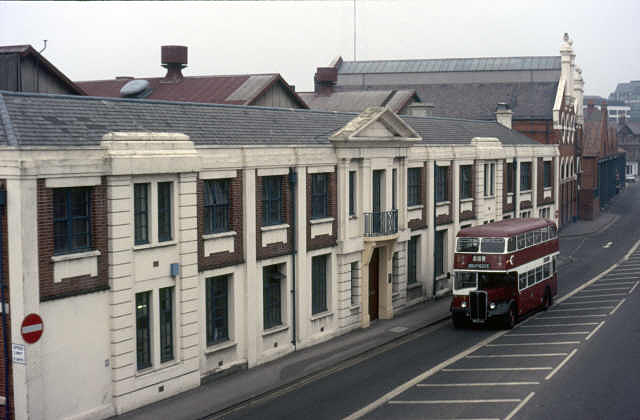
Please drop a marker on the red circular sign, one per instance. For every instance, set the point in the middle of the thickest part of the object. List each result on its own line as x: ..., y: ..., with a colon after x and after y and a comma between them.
x: 32, y: 328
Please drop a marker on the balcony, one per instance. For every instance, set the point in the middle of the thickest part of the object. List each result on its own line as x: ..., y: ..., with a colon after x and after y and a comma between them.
x: 381, y: 224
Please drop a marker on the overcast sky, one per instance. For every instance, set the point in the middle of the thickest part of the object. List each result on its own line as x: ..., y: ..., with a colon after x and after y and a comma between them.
x: 101, y: 40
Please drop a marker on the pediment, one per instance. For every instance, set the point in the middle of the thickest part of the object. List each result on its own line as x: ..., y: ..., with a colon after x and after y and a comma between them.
x: 376, y: 124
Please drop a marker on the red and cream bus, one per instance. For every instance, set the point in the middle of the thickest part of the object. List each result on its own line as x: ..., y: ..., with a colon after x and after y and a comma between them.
x: 504, y: 270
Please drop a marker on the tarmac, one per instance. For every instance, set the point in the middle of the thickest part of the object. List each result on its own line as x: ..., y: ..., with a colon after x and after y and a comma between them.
x: 241, y: 386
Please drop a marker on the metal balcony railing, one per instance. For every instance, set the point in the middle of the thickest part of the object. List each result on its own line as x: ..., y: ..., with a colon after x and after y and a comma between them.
x: 381, y: 223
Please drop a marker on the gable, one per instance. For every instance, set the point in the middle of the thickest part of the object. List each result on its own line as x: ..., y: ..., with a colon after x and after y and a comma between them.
x: 376, y: 124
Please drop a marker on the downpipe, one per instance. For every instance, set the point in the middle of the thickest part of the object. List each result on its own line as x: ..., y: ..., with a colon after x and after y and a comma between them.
x: 293, y: 178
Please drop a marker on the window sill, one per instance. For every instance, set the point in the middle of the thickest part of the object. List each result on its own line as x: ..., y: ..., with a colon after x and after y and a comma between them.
x: 352, y: 217
x: 219, y: 347
x: 414, y: 285
x: 274, y: 227
x: 154, y: 245
x: 509, y: 194
x: 354, y: 307
x: 548, y: 188
x: 443, y: 203
x: 525, y: 191
x: 321, y: 315
x: 218, y: 235
x: 415, y: 207
x: 322, y: 220
x: 75, y: 256
x: 151, y: 369
x: 275, y: 330
x: 489, y: 197
x: 466, y: 200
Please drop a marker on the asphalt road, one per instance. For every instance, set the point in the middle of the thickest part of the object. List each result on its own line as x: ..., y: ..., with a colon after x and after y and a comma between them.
x: 579, y: 360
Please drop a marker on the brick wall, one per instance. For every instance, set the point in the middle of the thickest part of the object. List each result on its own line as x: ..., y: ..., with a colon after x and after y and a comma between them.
x: 323, y: 241
x: 222, y: 259
x: 277, y: 249
x: 76, y: 285
x: 5, y: 357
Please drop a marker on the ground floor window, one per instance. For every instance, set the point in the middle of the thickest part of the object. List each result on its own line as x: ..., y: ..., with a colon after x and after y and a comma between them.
x: 412, y: 260
x: 355, y: 276
x: 318, y: 284
x: 143, y: 330
x: 395, y: 273
x: 166, y: 324
x: 217, y: 309
x: 272, y: 279
x: 440, y: 254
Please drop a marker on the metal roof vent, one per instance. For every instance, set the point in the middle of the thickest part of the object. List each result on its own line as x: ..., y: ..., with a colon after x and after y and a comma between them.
x: 136, y: 89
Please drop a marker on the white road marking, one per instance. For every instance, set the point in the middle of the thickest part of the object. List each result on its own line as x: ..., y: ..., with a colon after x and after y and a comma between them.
x: 497, y: 400
x: 590, y: 301
x: 561, y: 325
x: 622, y: 268
x: 594, y: 331
x: 620, y: 277
x: 574, y: 316
x: 496, y: 356
x: 634, y: 287
x: 496, y: 369
x: 550, y: 333
x: 613, y: 283
x: 478, y: 384
x: 550, y: 343
x: 608, y: 289
x: 613, y: 311
x: 607, y: 245
x: 581, y: 309
x: 566, y: 359
x: 607, y: 295
x: 519, y: 406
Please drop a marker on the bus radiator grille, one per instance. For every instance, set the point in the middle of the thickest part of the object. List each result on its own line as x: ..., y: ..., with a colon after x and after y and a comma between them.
x: 478, y: 306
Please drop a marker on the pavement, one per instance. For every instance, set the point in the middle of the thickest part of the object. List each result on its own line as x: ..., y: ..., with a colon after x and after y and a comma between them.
x: 240, y: 386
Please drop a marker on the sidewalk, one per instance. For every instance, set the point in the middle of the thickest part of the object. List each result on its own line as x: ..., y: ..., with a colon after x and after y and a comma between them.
x: 227, y: 391
x: 587, y: 227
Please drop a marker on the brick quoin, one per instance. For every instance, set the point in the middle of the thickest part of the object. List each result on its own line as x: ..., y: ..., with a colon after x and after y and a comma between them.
x: 323, y: 241
x: 225, y: 258
x: 6, y: 357
x: 277, y: 249
x: 75, y: 285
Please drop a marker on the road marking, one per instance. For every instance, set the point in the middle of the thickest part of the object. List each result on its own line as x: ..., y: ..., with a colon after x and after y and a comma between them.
x: 420, y: 378
x: 613, y: 283
x: 634, y: 287
x: 594, y: 331
x: 557, y: 343
x: 614, y: 278
x: 479, y: 384
x: 519, y: 406
x: 497, y: 400
x: 607, y: 245
x: 621, y: 268
x: 610, y: 289
x: 560, y: 325
x: 590, y: 301
x: 607, y: 295
x: 496, y: 356
x: 496, y: 369
x: 573, y: 316
x: 566, y: 359
x: 550, y: 333
x: 594, y: 308
x: 613, y: 311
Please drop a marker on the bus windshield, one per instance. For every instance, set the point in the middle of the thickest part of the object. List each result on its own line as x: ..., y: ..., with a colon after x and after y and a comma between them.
x: 468, y: 245
x: 493, y: 245
x: 487, y: 281
x: 464, y: 279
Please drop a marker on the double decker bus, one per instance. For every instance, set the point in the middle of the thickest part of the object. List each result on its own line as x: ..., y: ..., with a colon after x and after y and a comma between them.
x: 503, y: 270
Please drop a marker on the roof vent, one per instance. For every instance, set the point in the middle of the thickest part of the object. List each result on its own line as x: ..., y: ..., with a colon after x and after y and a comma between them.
x: 174, y: 59
x: 136, y: 89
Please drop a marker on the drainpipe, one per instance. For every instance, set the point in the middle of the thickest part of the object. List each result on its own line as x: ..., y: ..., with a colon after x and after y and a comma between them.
x: 292, y: 187
x: 7, y: 415
x: 435, y: 233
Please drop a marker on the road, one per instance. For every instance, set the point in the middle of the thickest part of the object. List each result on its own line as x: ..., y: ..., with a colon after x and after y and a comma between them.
x: 579, y: 360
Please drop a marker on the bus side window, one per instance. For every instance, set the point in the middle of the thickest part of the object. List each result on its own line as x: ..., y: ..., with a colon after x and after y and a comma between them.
x: 529, y: 238
x: 521, y: 241
x: 547, y: 270
x: 552, y: 231
x: 537, y: 236
x: 545, y: 233
x: 522, y: 281
x: 511, y: 245
x: 538, y: 274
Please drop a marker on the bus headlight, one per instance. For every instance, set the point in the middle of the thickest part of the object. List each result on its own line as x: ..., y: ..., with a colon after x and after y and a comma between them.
x: 463, y: 304
x: 492, y: 305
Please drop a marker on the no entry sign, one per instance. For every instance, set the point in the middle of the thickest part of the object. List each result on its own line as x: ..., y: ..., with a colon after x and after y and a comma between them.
x: 32, y: 328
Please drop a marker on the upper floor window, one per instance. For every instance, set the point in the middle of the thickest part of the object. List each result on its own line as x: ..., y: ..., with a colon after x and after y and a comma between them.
x: 216, y: 205
x: 465, y: 182
x: 413, y: 186
x: 352, y: 193
x: 71, y: 219
x: 510, y: 176
x: 271, y: 200
x: 489, y: 179
x: 525, y: 176
x: 141, y: 213
x: 394, y: 189
x: 319, y: 196
x: 442, y: 183
x: 547, y: 174
x: 164, y: 211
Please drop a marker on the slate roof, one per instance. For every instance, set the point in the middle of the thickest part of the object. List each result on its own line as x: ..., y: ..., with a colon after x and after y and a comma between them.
x: 232, y: 89
x: 634, y: 127
x: 66, y: 120
x: 359, y: 100
x: 450, y: 65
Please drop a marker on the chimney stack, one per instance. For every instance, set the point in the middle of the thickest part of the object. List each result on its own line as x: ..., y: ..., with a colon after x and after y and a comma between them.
x: 174, y: 59
x: 325, y: 79
x: 504, y: 114
x: 421, y: 109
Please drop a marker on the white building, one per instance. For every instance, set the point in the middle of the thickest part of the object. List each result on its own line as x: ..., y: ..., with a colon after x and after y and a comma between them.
x: 162, y: 242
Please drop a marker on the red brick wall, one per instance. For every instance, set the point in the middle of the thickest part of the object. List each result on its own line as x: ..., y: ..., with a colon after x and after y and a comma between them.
x: 76, y: 285
x: 323, y: 241
x: 222, y: 259
x: 277, y: 249
x: 5, y: 357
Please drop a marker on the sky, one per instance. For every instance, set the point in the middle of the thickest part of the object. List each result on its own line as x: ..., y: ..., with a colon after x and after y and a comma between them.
x: 102, y: 40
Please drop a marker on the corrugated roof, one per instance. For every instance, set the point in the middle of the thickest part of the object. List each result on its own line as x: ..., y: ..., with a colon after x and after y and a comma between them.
x: 64, y: 120
x: 450, y: 65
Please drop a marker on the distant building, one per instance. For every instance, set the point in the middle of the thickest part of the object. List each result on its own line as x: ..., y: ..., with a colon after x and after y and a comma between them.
x: 248, y: 89
x: 616, y: 110
x: 629, y: 139
x: 23, y: 69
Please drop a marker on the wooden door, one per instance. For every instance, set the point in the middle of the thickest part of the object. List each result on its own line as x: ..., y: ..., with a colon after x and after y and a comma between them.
x: 373, y: 285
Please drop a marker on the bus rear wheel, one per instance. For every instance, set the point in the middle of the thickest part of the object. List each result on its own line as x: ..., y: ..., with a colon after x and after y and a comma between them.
x: 510, y: 318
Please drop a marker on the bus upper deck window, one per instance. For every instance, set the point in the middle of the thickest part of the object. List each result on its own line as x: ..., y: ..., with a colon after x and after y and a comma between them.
x: 537, y: 236
x: 521, y: 241
x: 530, y: 239
x: 468, y: 245
x: 545, y: 233
x: 492, y: 245
x: 511, y: 245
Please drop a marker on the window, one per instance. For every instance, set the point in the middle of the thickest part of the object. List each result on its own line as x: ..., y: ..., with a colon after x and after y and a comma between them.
x: 413, y: 186
x: 489, y: 179
x: 164, y: 211
x: 525, y: 176
x: 394, y: 189
x: 271, y: 200
x: 547, y: 174
x: 412, y: 261
x: 464, y: 279
x: 166, y: 324
x: 545, y: 233
x: 355, y: 275
x: 510, y: 175
x: 522, y: 242
x: 441, y: 183
x: 537, y: 236
x: 468, y: 245
x: 440, y: 244
x: 272, y: 296
x: 492, y: 245
x: 352, y: 193
x: 465, y: 182
x: 216, y: 205
x: 143, y: 330
x: 547, y: 270
x: 217, y: 309
x: 319, y: 196
x: 522, y: 281
x: 530, y: 239
x: 71, y: 219
x: 141, y: 213
x: 395, y: 273
x: 511, y: 245
x: 553, y: 231
x: 538, y: 274
x: 531, y: 277
x: 319, y: 284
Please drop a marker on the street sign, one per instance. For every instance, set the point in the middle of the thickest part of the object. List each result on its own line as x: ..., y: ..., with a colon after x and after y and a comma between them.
x: 32, y: 328
x: 17, y: 351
